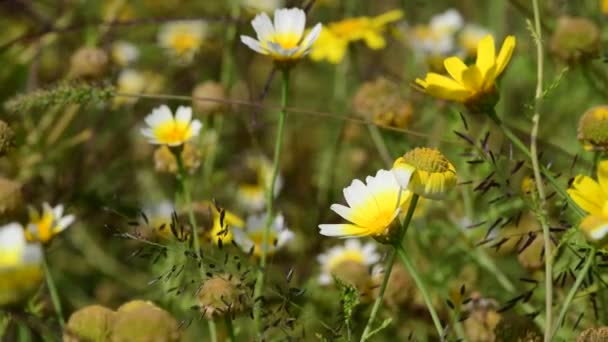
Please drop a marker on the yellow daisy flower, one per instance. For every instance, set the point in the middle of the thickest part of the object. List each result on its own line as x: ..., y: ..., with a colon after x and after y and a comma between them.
x: 592, y: 197
x: 252, y: 236
x: 164, y: 129
x: 426, y: 172
x: 222, y: 230
x: 182, y: 38
x: 20, y: 265
x: 471, y: 84
x: 284, y: 40
x: 333, y: 41
x: 372, y: 207
x: 351, y: 251
x: 45, y: 225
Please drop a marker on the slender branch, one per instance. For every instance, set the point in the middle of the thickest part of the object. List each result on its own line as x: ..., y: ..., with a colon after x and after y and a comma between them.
x: 50, y: 283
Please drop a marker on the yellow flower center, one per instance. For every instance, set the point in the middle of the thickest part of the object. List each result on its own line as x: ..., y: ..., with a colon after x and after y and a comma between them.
x: 257, y: 237
x: 346, y: 256
x: 287, y: 40
x: 184, y: 42
x: 173, y: 132
x: 44, y: 228
x: 427, y: 159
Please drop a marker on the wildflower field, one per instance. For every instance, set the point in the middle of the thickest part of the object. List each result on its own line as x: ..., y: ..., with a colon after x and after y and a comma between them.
x: 304, y: 170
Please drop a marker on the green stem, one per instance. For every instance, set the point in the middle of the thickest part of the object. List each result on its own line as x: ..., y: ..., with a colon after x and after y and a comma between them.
x: 50, y: 283
x: 259, y: 284
x: 183, y: 186
x: 374, y: 132
x: 229, y: 328
x: 389, y: 268
x: 579, y: 280
x: 420, y: 285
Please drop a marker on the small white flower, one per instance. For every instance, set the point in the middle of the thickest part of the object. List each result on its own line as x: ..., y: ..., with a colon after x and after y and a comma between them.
x: 129, y: 81
x: 43, y: 226
x: 438, y: 38
x: 283, y: 40
x: 14, y: 249
x: 182, y: 38
x: 447, y: 22
x: 351, y: 251
x: 165, y: 129
x: 253, y: 234
x: 124, y: 53
x: 252, y: 196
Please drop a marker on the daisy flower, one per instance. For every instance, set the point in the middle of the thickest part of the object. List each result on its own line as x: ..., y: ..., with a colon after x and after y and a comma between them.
x: 284, y: 40
x: 129, y: 81
x: 124, y: 53
x: 253, y: 234
x: 437, y: 38
x: 45, y: 225
x: 426, y: 172
x: 251, y: 195
x: 373, y: 206
x: 182, y: 38
x: 165, y: 129
x: 20, y: 265
x: 592, y: 196
x: 351, y: 251
x: 471, y: 84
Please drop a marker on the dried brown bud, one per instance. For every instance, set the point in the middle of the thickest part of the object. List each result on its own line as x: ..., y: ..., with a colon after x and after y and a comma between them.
x: 165, y: 161
x: 381, y: 101
x: 221, y: 295
x: 11, y: 198
x: 7, y: 138
x: 575, y: 39
x: 208, y: 92
x: 88, y: 62
x: 91, y: 323
x: 143, y: 321
x: 598, y: 334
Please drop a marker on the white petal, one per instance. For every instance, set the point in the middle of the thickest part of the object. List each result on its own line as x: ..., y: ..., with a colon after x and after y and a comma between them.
x: 58, y: 211
x: 196, y: 126
x: 325, y: 279
x: 183, y: 114
x: 253, y: 45
x: 599, y: 233
x: 284, y: 237
x: 344, y: 211
x: 262, y: 26
x: 356, y: 193
x: 352, y: 244
x: 290, y: 20
x: 311, y: 37
x: 159, y: 115
x: 65, y: 222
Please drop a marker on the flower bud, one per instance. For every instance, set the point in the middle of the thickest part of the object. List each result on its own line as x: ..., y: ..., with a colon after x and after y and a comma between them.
x: 165, y: 161
x: 381, y: 102
x: 11, y: 199
x: 575, y: 39
x: 7, y: 138
x: 143, y: 321
x: 209, y: 90
x: 595, y: 334
x: 88, y: 62
x: 221, y: 295
x: 593, y: 129
x: 91, y: 323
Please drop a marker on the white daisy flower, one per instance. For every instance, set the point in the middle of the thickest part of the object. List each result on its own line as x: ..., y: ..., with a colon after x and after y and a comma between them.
x: 129, y: 81
x: 251, y: 196
x: 253, y: 234
x: 182, y: 38
x: 283, y: 40
x: 372, y: 206
x: 447, y: 22
x: 165, y: 129
x: 43, y: 226
x: 437, y: 38
x: 20, y: 264
x: 124, y: 53
x: 352, y: 251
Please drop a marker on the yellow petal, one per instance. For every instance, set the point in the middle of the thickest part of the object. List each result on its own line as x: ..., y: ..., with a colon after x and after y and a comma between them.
x: 486, y: 54
x: 602, y: 175
x: 374, y: 40
x: 472, y: 78
x: 505, y: 54
x: 455, y: 67
x: 587, y: 194
x: 387, y: 17
x: 460, y: 95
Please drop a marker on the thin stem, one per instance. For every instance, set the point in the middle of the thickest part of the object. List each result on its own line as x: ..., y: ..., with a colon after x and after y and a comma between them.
x: 421, y: 287
x: 259, y: 284
x: 229, y: 328
x: 389, y: 267
x: 374, y: 132
x: 579, y: 280
x: 540, y: 187
x: 184, y: 188
x: 50, y: 283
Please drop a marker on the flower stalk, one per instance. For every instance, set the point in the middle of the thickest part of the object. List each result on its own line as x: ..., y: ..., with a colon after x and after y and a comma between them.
x: 50, y: 283
x: 259, y: 284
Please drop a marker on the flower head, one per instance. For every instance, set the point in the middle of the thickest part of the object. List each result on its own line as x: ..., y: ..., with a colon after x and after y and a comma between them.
x: 593, y: 129
x: 469, y: 38
x: 45, y: 225
x: 437, y: 38
x: 165, y: 129
x: 351, y: 252
x: 20, y: 265
x: 284, y: 40
x: 592, y: 197
x: 251, y: 193
x: 253, y: 235
x: 426, y: 172
x: 373, y: 206
x: 124, y: 53
x: 333, y: 41
x: 474, y: 84
x: 182, y: 38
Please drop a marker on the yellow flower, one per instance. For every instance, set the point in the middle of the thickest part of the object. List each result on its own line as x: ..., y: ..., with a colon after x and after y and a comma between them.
x: 252, y: 236
x: 182, y: 38
x: 426, y: 172
x: 43, y: 226
x: 164, y: 129
x: 351, y: 251
x: 470, y: 84
x: 372, y: 207
x: 592, y: 197
x: 333, y: 41
x: 222, y: 229
x: 604, y: 7
x: 20, y: 265
x: 284, y: 40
